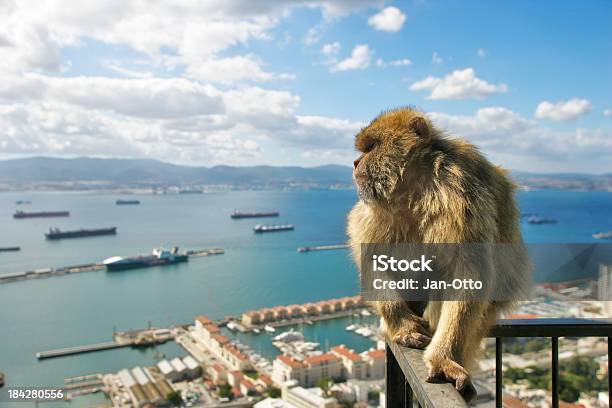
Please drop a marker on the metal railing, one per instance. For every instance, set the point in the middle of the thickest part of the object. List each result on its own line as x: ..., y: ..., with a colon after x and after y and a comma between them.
x: 406, y: 371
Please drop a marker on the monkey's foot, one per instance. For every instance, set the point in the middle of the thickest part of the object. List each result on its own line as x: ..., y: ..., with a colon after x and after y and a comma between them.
x: 448, y: 370
x: 413, y: 332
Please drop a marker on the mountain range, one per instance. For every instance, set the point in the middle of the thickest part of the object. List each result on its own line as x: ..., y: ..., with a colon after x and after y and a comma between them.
x: 85, y: 172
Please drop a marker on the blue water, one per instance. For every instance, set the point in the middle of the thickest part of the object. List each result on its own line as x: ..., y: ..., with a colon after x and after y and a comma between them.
x: 255, y: 271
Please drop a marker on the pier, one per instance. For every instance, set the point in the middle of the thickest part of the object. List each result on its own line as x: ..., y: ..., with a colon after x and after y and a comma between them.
x: 322, y: 248
x: 90, y: 267
x: 68, y: 351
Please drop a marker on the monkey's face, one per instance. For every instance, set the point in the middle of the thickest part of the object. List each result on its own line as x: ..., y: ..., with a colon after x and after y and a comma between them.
x: 387, y: 146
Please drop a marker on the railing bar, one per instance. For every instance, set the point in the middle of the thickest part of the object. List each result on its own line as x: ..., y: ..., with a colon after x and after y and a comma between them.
x: 555, y: 372
x: 408, y: 391
x: 395, y: 381
x: 499, y: 392
x: 610, y: 371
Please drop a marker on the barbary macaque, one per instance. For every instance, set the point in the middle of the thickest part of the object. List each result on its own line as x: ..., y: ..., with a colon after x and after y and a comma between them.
x: 417, y: 185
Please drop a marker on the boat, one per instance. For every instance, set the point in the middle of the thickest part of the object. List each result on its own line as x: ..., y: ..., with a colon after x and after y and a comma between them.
x: 536, y: 220
x: 253, y: 214
x: 259, y: 228
x: 23, y: 202
x: 232, y: 326
x: 603, y: 235
x: 269, y: 328
x: 190, y: 191
x: 366, y: 313
x: 159, y: 257
x: 289, y: 336
x: 55, y: 233
x: 256, y: 331
x: 351, y: 327
x: 10, y: 249
x: 41, y: 214
x: 127, y: 202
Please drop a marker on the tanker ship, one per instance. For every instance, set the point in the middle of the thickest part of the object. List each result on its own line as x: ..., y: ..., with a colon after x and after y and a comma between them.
x: 159, y: 257
x: 55, y: 233
x: 253, y: 214
x: 40, y: 214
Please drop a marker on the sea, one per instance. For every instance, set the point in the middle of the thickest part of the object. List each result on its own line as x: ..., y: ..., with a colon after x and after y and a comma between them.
x: 257, y: 270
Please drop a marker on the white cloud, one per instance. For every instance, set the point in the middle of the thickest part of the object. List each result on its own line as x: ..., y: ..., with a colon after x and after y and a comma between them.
x: 481, y: 52
x: 331, y: 48
x: 460, y: 84
x: 516, y: 142
x: 360, y: 59
x: 607, y: 113
x: 563, y: 111
x: 388, y: 19
x: 436, y: 59
x: 233, y: 69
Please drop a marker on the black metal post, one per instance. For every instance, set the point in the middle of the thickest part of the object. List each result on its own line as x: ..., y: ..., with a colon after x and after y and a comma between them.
x: 555, y: 372
x: 610, y: 371
x: 395, y: 382
x: 499, y: 388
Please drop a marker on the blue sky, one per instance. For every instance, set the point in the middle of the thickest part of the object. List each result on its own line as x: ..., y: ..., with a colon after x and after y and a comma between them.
x: 291, y: 82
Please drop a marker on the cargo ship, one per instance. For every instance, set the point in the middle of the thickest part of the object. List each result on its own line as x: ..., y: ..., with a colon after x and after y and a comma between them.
x: 272, y: 228
x: 10, y: 249
x: 41, y: 214
x: 159, y: 257
x: 253, y: 214
x: 55, y: 233
x: 127, y: 202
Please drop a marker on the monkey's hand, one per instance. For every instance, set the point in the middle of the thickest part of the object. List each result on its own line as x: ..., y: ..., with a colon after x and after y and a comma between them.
x: 445, y: 369
x: 412, y: 332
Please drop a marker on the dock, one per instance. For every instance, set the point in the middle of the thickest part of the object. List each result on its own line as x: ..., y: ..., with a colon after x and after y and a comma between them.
x: 68, y: 351
x: 90, y: 267
x: 322, y: 248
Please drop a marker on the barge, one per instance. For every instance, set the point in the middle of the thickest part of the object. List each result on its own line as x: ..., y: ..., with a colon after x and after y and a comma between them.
x: 253, y: 214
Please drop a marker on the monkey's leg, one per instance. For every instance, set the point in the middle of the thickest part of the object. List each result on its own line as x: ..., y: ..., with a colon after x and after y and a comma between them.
x: 403, y: 323
x: 459, y: 329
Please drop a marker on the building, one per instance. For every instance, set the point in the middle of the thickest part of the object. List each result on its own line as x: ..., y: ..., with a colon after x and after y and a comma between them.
x: 285, y: 368
x: 303, y: 398
x: 193, y: 368
x: 375, y: 363
x: 234, y: 378
x: 317, y: 367
x: 151, y: 392
x: 218, y: 373
x: 353, y: 365
x: 247, y: 387
x: 235, y: 358
x: 604, y: 289
x: 168, y: 371
x: 295, y: 310
x: 252, y: 317
x: 179, y: 367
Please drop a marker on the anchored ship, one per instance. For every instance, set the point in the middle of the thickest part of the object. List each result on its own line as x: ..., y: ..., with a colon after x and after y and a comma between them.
x: 40, y: 214
x: 10, y: 249
x: 539, y: 220
x: 127, y: 202
x: 55, y: 233
x: 272, y: 228
x: 603, y: 235
x: 253, y: 214
x: 159, y: 256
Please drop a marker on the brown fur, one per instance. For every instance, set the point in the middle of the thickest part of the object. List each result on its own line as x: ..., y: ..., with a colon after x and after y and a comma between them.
x: 418, y: 186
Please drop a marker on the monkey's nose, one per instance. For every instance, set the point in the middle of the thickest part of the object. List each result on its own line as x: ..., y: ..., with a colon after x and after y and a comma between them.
x: 356, y: 162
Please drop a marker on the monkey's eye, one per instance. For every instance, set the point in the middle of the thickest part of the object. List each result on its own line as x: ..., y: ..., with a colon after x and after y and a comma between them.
x: 366, y: 144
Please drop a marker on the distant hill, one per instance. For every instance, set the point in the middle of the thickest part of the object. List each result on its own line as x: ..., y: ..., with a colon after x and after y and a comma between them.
x: 45, y: 170
x: 83, y: 173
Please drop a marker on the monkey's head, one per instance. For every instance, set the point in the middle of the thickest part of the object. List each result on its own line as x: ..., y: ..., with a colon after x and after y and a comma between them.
x: 388, y: 146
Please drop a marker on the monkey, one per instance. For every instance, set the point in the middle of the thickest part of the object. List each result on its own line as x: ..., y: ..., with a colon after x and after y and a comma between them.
x: 417, y: 185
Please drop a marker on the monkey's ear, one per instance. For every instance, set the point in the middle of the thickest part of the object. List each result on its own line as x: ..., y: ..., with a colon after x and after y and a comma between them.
x: 420, y: 126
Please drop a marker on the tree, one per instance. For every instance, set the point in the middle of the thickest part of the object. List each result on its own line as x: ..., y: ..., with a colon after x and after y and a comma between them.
x: 174, y: 398
x: 274, y: 392
x: 225, y: 391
